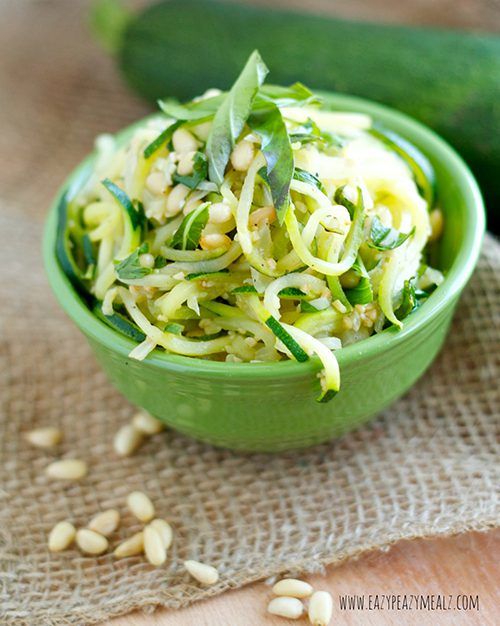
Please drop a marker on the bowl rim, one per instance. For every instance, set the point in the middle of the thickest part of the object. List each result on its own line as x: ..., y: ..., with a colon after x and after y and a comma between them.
x: 456, y: 278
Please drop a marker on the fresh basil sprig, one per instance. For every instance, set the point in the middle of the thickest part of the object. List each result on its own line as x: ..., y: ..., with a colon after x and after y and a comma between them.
x: 130, y: 267
x: 200, y: 171
x: 267, y: 122
x: 187, y: 236
x: 231, y: 116
x: 386, y: 238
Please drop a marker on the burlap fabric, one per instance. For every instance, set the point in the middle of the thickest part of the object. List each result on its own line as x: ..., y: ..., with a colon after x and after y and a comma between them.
x: 428, y: 466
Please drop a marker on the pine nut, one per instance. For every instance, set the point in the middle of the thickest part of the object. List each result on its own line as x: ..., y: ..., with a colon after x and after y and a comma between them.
x: 437, y: 223
x: 165, y: 531
x: 91, y: 542
x: 205, y: 574
x: 213, y: 241
x: 105, y: 523
x: 186, y: 163
x: 127, y: 440
x: 292, y: 587
x: 61, y: 536
x: 46, y: 437
x: 141, y: 506
x: 183, y: 141
x: 242, y: 156
x: 176, y: 199
x: 147, y: 260
x: 130, y: 547
x: 286, y: 607
x: 154, y: 547
x: 219, y: 212
x: 156, y: 183
x: 67, y: 469
x: 320, y: 608
x: 147, y: 424
x: 264, y: 214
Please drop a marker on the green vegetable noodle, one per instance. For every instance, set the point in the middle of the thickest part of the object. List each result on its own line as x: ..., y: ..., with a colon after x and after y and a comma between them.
x: 254, y: 226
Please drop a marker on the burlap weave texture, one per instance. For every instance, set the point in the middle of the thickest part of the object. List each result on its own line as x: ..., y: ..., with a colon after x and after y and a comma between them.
x: 428, y: 466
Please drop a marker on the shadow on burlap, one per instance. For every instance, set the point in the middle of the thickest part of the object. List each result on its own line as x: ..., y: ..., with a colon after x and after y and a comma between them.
x: 427, y: 467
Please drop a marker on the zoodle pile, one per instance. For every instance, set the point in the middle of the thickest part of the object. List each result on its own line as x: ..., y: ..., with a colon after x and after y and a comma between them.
x: 252, y: 226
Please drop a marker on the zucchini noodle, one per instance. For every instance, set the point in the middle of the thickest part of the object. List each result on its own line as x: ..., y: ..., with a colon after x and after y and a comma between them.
x: 312, y: 235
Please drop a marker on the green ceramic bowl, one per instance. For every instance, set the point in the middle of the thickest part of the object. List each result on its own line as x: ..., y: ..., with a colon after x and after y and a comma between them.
x: 272, y: 407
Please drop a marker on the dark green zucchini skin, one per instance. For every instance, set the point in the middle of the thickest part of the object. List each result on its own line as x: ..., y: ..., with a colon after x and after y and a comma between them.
x: 448, y: 80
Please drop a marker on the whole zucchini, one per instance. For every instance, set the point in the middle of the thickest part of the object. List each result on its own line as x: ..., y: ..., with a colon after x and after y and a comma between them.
x: 448, y: 80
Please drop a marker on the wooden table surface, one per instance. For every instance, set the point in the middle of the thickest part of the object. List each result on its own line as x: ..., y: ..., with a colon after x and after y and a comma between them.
x: 466, y: 564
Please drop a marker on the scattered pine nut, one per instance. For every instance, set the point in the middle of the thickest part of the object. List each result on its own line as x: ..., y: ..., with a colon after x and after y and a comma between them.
x: 154, y: 548
x: 61, y: 536
x: 141, y: 506
x: 320, y: 608
x: 292, y: 587
x: 106, y: 522
x: 205, y: 574
x: 165, y: 531
x: 286, y: 607
x: 67, y: 469
x: 91, y: 542
x: 147, y: 424
x: 130, y: 547
x: 127, y: 440
x: 46, y: 437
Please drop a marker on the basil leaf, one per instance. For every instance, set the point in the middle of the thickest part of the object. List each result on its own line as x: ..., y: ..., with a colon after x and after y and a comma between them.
x: 162, y: 139
x: 341, y: 198
x: 187, y: 236
x: 363, y: 292
x: 411, y: 298
x: 130, y: 267
x: 232, y: 115
x: 306, y: 177
x: 309, y: 132
x: 386, y: 238
x: 200, y: 171
x: 135, y: 213
x: 295, y: 95
x: 268, y: 123
x: 192, y: 111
